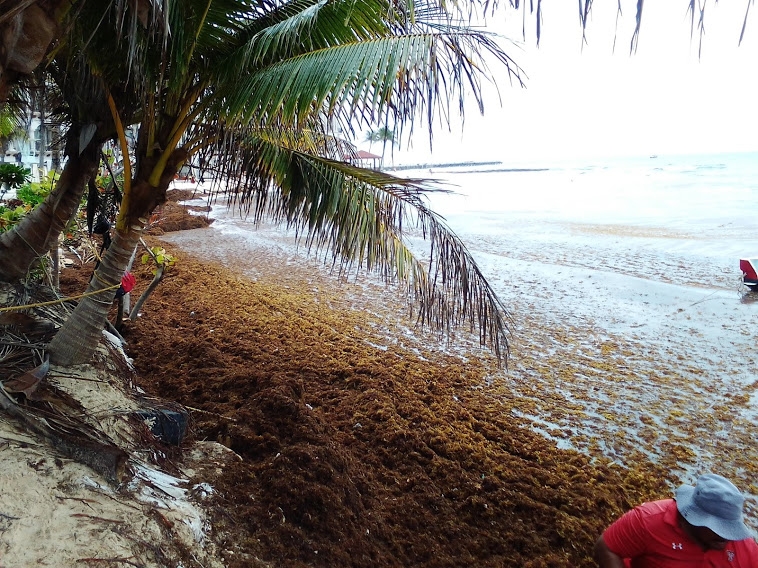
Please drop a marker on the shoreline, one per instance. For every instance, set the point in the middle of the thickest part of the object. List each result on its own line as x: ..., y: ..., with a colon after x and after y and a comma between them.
x: 449, y: 165
x: 608, y: 387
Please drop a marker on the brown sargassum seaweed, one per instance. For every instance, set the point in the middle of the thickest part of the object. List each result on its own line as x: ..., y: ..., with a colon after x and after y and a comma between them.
x: 359, y: 449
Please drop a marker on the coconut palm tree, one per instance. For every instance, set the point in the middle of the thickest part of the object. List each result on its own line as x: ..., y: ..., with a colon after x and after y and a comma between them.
x: 27, y: 28
x: 259, y: 81
x: 80, y: 107
x: 383, y: 134
x: 370, y: 137
x: 254, y: 87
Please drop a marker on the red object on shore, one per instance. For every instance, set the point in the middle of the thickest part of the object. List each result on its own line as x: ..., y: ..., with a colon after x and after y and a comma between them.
x: 127, y: 282
x: 749, y: 273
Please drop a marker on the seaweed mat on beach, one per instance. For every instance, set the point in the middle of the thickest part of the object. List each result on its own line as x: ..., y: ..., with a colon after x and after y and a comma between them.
x: 357, y: 451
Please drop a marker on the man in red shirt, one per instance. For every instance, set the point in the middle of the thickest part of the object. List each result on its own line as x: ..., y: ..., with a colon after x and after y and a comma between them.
x: 702, y: 527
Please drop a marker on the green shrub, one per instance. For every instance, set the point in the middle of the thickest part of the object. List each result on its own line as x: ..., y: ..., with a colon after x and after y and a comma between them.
x: 33, y: 193
x: 12, y: 176
x: 11, y: 216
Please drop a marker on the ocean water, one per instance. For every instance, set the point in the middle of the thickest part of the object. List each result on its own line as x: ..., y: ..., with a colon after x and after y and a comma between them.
x: 649, y: 228
x: 632, y: 333
x: 703, y: 206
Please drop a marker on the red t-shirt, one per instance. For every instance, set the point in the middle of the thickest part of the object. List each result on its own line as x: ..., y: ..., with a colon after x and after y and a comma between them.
x: 649, y: 536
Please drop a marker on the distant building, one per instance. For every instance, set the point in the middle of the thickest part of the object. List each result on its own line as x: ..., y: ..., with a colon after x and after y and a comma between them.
x: 367, y: 160
x: 25, y: 149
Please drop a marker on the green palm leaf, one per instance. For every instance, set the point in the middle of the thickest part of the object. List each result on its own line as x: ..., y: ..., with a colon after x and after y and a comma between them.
x: 11, y: 120
x: 398, y: 74
x: 361, y: 216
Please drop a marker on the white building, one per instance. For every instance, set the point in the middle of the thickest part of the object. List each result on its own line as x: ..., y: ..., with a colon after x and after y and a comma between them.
x: 26, y: 149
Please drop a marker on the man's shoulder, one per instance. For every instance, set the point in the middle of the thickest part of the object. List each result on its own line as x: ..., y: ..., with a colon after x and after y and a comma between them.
x: 741, y: 554
x: 653, y: 515
x: 645, y: 529
x: 663, y: 507
x: 748, y: 545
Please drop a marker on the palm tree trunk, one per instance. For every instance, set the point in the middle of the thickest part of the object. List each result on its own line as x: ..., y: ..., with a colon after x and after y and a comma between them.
x: 77, y: 339
x: 39, y: 230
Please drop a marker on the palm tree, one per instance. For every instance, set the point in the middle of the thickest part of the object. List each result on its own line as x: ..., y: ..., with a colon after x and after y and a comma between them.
x: 370, y: 137
x: 77, y: 94
x: 255, y: 89
x: 88, y: 125
x: 383, y: 134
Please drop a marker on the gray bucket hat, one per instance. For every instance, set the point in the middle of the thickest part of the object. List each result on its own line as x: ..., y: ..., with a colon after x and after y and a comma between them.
x: 714, y: 503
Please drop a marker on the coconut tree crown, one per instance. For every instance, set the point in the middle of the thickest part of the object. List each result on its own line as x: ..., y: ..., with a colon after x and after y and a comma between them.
x: 256, y: 87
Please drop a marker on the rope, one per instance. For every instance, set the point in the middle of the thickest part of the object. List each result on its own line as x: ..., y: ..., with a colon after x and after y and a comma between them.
x: 58, y: 301
x: 20, y: 236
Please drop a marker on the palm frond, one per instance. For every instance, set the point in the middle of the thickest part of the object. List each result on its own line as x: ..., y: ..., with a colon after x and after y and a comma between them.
x: 287, y: 31
x: 637, y: 26
x: 399, y: 75
x: 301, y: 26
x: 361, y: 217
x: 744, y: 21
x: 11, y: 120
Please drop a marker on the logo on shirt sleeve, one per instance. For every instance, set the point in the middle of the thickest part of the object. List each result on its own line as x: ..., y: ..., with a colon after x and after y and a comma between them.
x: 676, y: 545
x: 730, y: 555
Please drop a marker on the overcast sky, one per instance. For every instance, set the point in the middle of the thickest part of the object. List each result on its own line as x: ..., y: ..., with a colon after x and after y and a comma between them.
x: 592, y: 102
